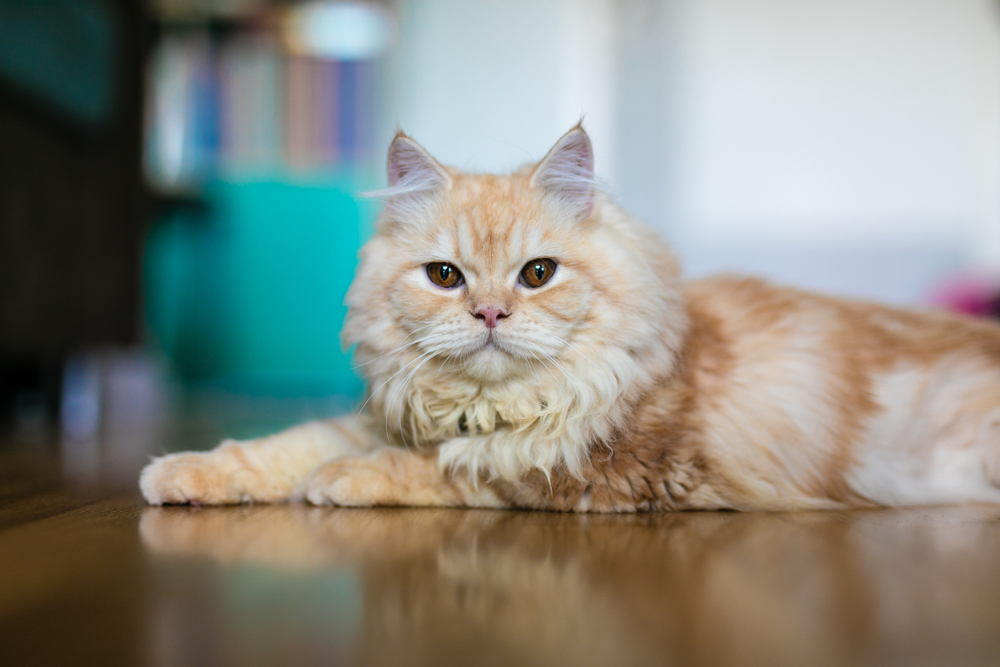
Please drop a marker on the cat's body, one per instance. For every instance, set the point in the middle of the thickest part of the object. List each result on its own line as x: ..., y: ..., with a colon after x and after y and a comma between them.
x: 529, y: 345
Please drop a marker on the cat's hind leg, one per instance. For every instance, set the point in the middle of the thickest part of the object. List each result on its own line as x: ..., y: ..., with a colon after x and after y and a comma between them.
x: 263, y: 470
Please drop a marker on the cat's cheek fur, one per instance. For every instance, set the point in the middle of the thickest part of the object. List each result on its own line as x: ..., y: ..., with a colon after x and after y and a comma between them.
x: 432, y: 314
x: 563, y: 306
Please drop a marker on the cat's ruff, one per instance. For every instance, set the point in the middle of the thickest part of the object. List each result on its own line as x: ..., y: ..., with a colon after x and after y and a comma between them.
x: 529, y: 344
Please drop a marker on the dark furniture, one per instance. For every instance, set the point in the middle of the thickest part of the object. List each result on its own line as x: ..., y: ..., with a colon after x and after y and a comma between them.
x: 72, y: 201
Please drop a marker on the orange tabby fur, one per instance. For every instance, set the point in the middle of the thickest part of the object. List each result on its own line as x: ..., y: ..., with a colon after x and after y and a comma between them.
x: 614, y: 387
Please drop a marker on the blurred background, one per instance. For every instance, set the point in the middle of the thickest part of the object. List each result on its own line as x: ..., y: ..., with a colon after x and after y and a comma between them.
x: 178, y: 210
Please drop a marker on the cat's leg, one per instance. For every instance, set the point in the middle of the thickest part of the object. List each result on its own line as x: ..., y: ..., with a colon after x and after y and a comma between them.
x: 392, y: 476
x: 263, y: 470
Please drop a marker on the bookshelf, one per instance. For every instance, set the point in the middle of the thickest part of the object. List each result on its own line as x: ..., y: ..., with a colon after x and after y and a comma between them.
x: 256, y: 145
x: 230, y: 97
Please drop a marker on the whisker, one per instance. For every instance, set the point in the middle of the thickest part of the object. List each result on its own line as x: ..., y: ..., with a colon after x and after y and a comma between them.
x: 372, y: 394
x: 392, y: 398
x: 570, y: 345
x: 404, y: 383
x: 399, y: 388
x: 546, y: 367
x: 558, y: 365
x: 403, y: 346
x: 422, y: 359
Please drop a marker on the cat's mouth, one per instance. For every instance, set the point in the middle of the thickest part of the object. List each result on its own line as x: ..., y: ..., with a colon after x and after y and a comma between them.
x: 492, y: 344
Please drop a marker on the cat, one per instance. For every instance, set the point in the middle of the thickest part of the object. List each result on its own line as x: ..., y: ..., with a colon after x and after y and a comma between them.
x: 528, y: 344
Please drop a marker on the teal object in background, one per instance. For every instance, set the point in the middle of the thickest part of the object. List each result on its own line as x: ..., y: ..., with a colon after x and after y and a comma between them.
x: 249, y: 297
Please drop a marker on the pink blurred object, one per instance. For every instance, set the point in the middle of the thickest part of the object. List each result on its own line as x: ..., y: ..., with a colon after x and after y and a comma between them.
x: 968, y: 293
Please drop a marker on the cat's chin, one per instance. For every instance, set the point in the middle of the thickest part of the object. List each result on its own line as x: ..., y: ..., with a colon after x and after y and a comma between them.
x: 491, y: 363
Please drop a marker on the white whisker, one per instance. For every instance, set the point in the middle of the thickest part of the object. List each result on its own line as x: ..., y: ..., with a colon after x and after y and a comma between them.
x: 392, y: 400
x: 403, y: 384
x: 402, y: 347
x: 372, y: 394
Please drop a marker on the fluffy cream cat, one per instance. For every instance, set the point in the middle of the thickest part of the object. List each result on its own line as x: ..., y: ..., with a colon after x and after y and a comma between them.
x: 528, y: 344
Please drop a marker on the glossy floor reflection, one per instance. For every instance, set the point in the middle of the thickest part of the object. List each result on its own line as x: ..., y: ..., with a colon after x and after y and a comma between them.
x: 438, y: 587
x: 94, y: 577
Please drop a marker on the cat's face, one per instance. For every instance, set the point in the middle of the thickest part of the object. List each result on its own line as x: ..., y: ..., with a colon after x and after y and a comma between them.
x: 498, y: 277
x: 496, y: 282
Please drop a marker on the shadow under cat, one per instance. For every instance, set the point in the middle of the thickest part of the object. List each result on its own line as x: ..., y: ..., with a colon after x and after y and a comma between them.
x: 411, y: 587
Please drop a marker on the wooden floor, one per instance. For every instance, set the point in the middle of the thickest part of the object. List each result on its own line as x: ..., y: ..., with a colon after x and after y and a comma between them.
x: 90, y: 576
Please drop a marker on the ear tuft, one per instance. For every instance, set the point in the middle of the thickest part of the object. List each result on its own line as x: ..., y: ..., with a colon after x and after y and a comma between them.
x: 567, y: 172
x: 414, y: 176
x: 412, y: 168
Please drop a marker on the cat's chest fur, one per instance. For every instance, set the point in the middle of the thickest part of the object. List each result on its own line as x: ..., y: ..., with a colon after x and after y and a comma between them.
x: 545, y: 421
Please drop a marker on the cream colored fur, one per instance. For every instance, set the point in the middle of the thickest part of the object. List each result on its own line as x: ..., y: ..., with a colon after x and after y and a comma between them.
x: 614, y: 386
x: 544, y: 410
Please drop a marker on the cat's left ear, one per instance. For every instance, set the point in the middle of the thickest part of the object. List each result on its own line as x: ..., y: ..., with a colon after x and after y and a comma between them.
x: 567, y: 172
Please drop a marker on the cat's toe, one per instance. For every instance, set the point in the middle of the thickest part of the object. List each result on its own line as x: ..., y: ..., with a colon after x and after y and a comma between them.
x: 347, y: 483
x: 179, y: 479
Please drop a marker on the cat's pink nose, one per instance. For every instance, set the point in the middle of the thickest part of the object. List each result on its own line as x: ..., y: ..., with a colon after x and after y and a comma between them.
x: 491, y: 316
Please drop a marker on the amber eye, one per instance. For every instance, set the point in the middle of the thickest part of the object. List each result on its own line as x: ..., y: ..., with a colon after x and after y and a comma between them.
x: 537, y: 272
x: 444, y: 275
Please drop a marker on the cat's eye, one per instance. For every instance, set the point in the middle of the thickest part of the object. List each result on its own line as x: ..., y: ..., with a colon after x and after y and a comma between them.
x: 444, y: 275
x: 537, y: 272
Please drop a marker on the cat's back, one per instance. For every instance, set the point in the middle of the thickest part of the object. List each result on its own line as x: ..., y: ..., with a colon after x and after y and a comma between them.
x: 816, y: 392
x: 752, y: 311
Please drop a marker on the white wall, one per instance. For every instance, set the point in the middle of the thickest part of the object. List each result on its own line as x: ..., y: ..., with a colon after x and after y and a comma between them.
x: 848, y: 146
x: 824, y: 120
x: 851, y: 145
x: 492, y: 84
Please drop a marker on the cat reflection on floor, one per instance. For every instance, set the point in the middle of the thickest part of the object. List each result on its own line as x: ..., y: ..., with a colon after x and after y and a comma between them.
x: 704, y: 588
x: 528, y: 344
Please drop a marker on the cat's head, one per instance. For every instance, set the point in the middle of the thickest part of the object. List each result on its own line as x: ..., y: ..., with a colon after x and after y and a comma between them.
x: 507, y: 279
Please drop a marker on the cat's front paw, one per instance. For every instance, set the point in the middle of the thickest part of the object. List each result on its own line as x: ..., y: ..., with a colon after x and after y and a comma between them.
x: 350, y: 482
x: 190, y: 478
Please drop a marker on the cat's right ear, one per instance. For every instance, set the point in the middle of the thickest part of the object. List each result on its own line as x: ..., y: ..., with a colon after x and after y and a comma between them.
x: 413, y: 174
x: 567, y: 172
